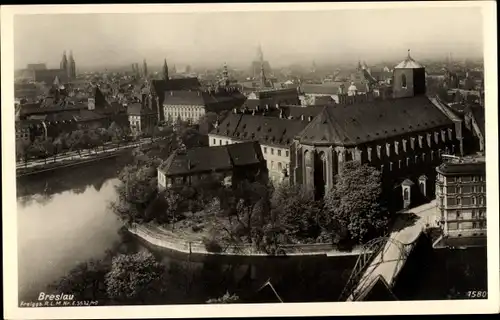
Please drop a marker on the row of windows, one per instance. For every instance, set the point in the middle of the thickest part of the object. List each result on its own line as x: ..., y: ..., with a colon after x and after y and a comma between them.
x: 407, y: 162
x: 465, y: 179
x: 279, y: 166
x: 465, y: 201
x: 278, y: 152
x: 474, y: 214
x: 465, y: 225
x: 465, y: 189
x: 412, y: 142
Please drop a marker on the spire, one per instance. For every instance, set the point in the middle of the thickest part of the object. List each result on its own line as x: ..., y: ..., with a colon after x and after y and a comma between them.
x: 225, y: 75
x: 263, y: 81
x: 64, y: 62
x: 409, y: 56
x: 260, y: 54
x: 145, y: 68
x: 165, y: 70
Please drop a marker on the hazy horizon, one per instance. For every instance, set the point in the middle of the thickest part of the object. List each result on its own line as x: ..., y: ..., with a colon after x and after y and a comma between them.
x: 333, y: 36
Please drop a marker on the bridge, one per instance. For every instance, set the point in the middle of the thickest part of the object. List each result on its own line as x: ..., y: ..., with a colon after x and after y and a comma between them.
x: 383, y: 258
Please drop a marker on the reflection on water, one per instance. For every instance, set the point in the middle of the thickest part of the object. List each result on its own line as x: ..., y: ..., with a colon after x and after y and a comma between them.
x: 57, y: 232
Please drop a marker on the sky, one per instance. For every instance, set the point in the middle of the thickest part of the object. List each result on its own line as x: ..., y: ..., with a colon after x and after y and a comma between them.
x: 333, y: 36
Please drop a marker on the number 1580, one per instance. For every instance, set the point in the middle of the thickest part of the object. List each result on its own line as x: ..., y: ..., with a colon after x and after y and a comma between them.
x: 477, y: 294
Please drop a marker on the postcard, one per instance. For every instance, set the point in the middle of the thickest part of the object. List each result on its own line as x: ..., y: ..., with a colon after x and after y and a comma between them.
x: 278, y: 159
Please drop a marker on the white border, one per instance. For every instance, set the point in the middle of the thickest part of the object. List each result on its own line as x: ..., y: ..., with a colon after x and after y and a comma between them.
x: 314, y: 309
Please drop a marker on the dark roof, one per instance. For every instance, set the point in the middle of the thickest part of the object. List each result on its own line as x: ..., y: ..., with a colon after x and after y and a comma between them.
x: 370, y: 121
x: 266, y: 130
x: 185, y: 97
x: 462, y: 168
x: 136, y: 109
x: 217, y: 158
x: 479, y: 117
x: 160, y: 86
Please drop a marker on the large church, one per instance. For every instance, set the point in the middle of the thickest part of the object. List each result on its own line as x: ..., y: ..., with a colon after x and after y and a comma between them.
x: 403, y: 135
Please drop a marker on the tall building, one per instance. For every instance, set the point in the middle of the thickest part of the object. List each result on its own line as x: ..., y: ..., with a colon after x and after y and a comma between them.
x: 461, y: 198
x: 71, y: 69
x: 145, y: 68
x: 64, y: 62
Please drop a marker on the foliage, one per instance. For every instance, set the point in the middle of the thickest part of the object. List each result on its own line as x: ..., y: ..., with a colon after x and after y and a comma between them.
x: 206, y: 122
x: 212, y: 245
x: 138, y: 188
x: 355, y: 202
x: 296, y: 211
x: 226, y: 298
x: 135, y: 278
x: 85, y: 281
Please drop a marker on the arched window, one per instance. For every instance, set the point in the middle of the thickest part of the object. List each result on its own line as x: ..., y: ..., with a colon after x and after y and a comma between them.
x: 405, y: 194
x: 403, y: 80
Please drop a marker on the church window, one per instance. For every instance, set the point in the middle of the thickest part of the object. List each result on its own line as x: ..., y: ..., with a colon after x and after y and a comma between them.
x: 450, y: 134
x: 388, y: 149
x: 404, y: 145
x: 412, y: 143
x: 378, y: 151
x: 396, y: 147
x: 369, y: 153
x: 406, y: 194
x: 403, y: 81
x: 420, y: 141
x: 429, y: 139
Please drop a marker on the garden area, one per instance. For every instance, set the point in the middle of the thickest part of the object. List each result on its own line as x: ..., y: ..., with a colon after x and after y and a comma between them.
x: 253, y: 214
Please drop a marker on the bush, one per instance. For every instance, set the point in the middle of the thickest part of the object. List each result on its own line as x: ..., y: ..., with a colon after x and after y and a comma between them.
x: 211, y: 245
x: 197, y: 228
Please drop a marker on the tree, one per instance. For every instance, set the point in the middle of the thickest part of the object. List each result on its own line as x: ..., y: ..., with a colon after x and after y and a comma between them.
x: 296, y: 213
x: 86, y: 281
x: 22, y: 151
x: 75, y: 141
x: 136, y: 278
x: 207, y: 121
x: 356, y: 202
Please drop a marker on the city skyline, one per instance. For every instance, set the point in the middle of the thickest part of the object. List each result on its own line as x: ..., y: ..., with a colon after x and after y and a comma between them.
x: 118, y: 39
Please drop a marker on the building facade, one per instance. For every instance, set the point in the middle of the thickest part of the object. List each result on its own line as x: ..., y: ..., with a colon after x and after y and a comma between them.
x: 229, y: 163
x: 461, y: 197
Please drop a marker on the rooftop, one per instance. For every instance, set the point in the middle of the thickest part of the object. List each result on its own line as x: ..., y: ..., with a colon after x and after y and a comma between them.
x: 209, y: 159
x: 474, y: 164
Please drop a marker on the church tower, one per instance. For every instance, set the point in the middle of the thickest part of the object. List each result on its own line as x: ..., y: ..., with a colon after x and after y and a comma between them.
x: 409, y: 78
x: 64, y: 63
x: 145, y: 68
x: 165, y: 70
x: 225, y: 76
x: 71, y: 67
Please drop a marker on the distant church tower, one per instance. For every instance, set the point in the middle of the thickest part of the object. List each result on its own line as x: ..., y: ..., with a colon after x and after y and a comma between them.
x: 64, y: 62
x: 225, y: 76
x: 165, y: 70
x: 145, y: 68
x: 71, y: 71
x: 409, y: 78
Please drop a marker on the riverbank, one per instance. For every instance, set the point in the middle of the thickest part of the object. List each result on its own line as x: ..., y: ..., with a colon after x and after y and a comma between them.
x: 160, y: 237
x: 75, y: 160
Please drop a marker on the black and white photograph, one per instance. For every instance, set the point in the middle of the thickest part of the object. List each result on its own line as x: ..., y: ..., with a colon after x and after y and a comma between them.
x: 201, y: 155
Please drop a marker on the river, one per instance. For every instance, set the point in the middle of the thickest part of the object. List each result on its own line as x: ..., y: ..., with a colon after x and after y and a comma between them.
x: 63, y: 219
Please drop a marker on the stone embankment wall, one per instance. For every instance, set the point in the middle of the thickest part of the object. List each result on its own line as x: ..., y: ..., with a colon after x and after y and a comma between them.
x: 176, y: 243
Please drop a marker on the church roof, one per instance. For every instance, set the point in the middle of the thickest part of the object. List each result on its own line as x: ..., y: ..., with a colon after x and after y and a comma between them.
x: 409, y: 63
x: 365, y: 122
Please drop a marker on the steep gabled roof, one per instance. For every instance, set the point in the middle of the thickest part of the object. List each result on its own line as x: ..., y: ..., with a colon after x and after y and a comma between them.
x: 370, y: 121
